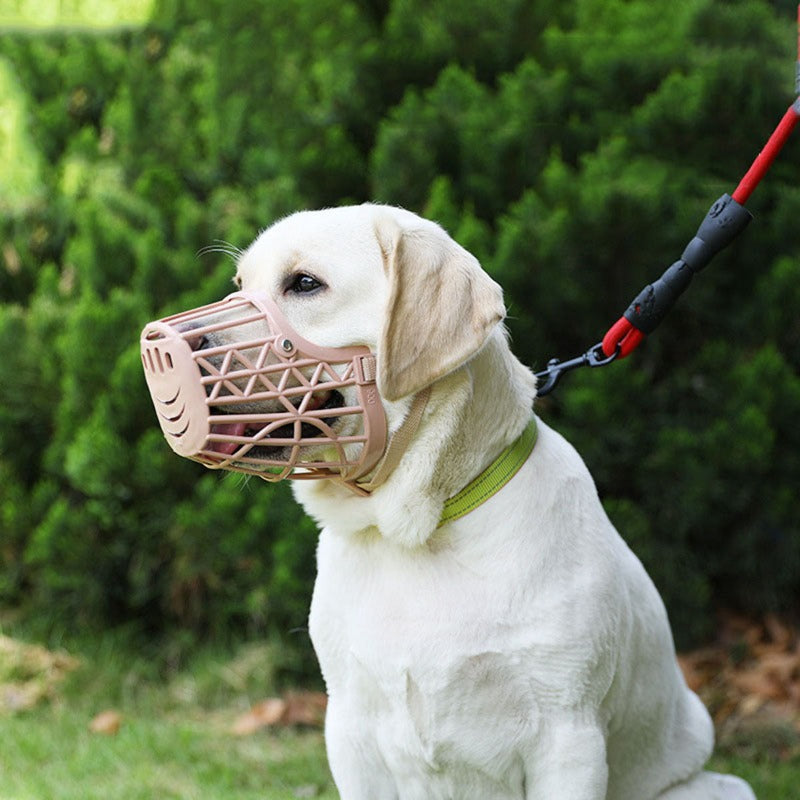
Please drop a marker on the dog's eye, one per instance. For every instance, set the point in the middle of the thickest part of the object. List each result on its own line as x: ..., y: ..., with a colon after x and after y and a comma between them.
x: 303, y: 284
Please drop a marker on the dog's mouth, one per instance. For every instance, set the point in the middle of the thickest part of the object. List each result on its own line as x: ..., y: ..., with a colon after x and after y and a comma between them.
x: 319, y: 401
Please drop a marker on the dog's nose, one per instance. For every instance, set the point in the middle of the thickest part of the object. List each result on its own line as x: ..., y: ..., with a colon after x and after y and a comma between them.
x: 197, y: 342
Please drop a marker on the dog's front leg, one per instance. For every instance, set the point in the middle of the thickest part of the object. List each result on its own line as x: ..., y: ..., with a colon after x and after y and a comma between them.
x: 568, y: 760
x: 356, y: 765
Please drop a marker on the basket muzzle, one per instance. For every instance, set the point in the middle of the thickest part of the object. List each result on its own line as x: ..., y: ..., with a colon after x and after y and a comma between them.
x: 235, y: 387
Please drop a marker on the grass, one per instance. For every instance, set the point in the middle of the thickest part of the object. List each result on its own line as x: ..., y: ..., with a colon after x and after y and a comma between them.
x: 770, y: 779
x: 53, y: 755
x: 175, y: 740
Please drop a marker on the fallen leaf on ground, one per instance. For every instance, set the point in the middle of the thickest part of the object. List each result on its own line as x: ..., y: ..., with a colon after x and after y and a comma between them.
x: 261, y: 715
x: 30, y: 674
x: 750, y: 679
x: 106, y: 723
x: 305, y: 708
x: 294, y: 708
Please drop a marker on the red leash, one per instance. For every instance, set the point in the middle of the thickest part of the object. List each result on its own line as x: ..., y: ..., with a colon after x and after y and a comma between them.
x: 765, y: 158
x: 726, y: 218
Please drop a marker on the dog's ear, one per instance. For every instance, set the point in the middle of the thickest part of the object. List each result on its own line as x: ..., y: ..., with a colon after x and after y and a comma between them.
x: 442, y: 307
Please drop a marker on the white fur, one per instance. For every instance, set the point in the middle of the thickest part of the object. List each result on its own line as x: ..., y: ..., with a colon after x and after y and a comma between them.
x: 518, y: 652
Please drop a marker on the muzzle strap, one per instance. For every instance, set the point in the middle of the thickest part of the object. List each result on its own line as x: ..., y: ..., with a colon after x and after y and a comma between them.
x: 398, y: 444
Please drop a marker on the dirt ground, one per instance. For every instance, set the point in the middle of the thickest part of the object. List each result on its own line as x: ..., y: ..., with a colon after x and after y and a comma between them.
x: 749, y: 679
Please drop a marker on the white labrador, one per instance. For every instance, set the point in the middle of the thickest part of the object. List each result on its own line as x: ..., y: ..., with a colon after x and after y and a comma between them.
x: 520, y: 651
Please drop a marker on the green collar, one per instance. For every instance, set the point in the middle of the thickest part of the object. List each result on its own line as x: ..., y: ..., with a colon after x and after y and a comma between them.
x: 493, y: 478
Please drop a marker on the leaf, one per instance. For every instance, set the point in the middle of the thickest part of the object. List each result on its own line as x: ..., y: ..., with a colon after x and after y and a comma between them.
x: 268, y: 712
x: 30, y: 674
x: 106, y: 723
x: 293, y: 709
x: 305, y: 708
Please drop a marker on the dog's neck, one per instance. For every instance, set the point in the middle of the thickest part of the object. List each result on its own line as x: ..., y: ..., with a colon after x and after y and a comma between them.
x: 472, y: 415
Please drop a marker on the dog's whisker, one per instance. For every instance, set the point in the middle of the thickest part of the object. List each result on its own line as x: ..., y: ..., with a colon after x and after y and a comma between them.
x: 221, y: 246
x: 241, y: 479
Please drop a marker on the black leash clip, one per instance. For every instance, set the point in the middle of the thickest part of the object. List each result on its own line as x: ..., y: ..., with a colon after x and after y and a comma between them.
x: 593, y: 357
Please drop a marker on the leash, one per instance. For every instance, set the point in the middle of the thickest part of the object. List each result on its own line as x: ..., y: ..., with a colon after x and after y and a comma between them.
x: 724, y: 221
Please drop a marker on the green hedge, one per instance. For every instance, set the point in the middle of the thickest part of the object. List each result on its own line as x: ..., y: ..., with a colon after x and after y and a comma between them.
x: 574, y: 147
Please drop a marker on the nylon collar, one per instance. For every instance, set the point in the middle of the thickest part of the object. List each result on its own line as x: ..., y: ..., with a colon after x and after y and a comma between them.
x: 493, y: 478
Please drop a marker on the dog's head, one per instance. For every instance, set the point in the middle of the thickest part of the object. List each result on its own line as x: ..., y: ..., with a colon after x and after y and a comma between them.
x: 336, y: 285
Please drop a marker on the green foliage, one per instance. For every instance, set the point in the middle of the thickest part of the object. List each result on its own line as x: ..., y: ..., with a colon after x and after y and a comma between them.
x: 573, y: 147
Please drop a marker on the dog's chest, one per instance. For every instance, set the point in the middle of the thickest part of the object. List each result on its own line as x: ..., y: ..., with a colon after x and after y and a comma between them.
x: 418, y: 654
x: 466, y: 711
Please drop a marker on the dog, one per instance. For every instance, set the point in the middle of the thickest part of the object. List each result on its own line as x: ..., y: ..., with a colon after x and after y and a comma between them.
x: 519, y: 651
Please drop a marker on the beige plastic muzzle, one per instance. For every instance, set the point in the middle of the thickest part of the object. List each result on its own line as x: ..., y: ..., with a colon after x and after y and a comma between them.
x: 236, y: 387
